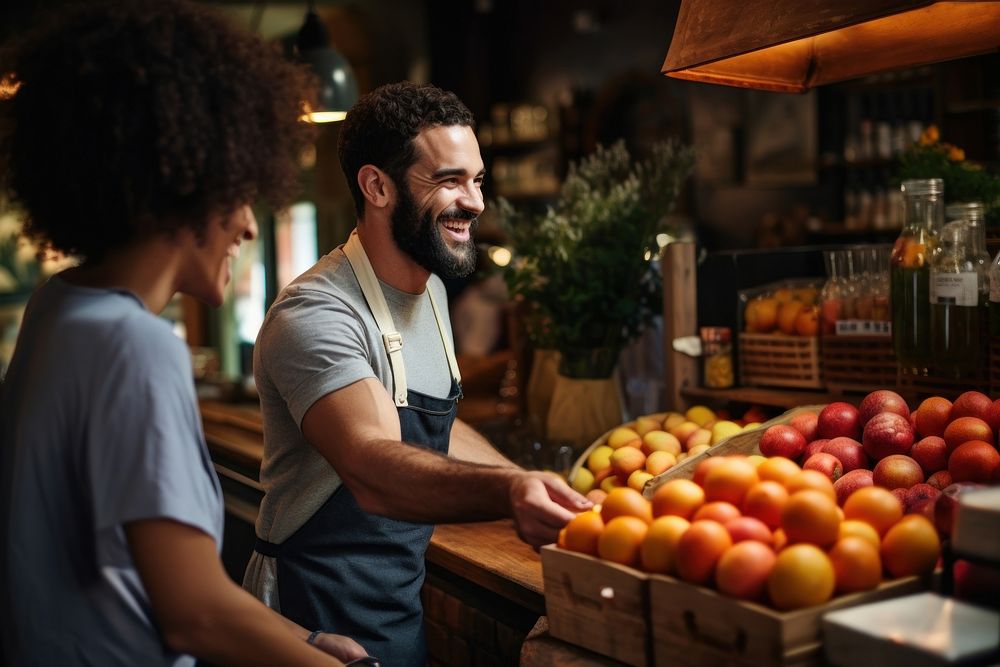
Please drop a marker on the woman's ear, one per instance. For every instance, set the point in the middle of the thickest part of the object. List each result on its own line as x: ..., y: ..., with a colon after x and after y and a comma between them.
x: 376, y: 186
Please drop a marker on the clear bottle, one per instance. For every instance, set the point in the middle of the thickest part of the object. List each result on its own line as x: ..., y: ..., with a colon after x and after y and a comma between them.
x: 959, y: 295
x: 831, y: 296
x: 910, y: 272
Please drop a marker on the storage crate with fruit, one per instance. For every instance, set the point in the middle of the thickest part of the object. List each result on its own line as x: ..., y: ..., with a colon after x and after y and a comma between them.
x: 843, y: 505
x: 778, y: 339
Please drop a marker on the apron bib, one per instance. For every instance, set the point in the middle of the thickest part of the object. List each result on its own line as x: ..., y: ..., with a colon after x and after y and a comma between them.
x: 358, y: 574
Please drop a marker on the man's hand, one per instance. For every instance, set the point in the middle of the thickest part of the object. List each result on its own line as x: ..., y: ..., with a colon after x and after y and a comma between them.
x: 541, y: 504
x: 343, y: 648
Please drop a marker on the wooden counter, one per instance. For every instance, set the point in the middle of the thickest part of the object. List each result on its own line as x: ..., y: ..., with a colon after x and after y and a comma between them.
x: 484, y: 586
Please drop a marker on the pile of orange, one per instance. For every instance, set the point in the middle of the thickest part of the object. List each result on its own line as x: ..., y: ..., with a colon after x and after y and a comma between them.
x: 761, y: 530
x: 788, y: 311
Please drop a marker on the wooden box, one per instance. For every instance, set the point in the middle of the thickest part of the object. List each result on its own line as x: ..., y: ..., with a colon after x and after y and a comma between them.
x: 779, y: 360
x: 598, y: 605
x: 858, y: 364
x: 692, y: 625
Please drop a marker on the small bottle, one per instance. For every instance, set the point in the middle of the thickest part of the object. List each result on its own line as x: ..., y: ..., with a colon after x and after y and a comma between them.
x: 909, y: 275
x: 717, y: 356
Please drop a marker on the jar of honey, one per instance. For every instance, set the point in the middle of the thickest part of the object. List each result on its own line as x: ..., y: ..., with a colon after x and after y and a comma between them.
x: 717, y: 356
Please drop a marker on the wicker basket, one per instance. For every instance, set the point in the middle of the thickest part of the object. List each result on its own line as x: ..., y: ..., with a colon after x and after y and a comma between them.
x: 858, y: 364
x: 779, y: 360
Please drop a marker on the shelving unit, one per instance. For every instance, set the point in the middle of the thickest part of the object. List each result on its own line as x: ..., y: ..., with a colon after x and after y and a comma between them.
x: 781, y: 398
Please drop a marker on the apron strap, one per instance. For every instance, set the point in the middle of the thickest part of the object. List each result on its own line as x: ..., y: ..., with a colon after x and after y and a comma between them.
x: 391, y: 339
x: 449, y: 349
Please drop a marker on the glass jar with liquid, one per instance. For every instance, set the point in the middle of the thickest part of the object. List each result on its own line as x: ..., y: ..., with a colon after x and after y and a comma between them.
x: 959, y: 298
x: 909, y: 274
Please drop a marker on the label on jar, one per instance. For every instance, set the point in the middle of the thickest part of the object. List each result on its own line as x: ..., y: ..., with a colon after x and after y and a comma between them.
x: 954, y: 289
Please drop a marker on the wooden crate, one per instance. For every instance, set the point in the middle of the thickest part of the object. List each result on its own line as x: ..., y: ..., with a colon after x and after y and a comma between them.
x: 858, y: 364
x: 598, y: 605
x: 779, y: 360
x: 692, y: 625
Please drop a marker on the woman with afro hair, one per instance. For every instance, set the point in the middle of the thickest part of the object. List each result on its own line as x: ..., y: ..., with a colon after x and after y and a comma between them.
x: 139, y: 136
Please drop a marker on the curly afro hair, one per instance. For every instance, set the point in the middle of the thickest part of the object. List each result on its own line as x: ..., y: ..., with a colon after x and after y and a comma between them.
x: 380, y: 128
x: 136, y: 118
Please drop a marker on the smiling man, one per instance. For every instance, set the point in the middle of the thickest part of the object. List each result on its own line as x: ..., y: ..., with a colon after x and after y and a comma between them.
x: 359, y: 387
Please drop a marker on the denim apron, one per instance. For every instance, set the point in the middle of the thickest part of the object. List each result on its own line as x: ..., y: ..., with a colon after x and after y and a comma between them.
x: 359, y: 574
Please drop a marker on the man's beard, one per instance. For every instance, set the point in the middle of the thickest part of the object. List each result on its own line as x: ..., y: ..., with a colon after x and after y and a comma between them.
x: 419, y: 237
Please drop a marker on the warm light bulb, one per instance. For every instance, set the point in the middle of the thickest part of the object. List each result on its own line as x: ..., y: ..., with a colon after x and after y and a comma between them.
x: 323, y: 116
x: 500, y: 255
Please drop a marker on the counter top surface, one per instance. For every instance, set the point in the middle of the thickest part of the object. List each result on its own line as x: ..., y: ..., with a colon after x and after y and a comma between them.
x: 488, y: 554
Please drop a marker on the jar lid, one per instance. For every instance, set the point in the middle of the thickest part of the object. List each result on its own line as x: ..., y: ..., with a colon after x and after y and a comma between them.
x: 716, y: 334
x: 966, y: 210
x: 923, y: 186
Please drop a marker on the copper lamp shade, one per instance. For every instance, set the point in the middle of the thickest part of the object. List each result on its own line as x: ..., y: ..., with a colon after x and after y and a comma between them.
x: 794, y: 45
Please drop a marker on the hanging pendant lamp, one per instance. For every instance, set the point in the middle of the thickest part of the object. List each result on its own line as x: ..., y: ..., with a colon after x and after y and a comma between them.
x: 338, y: 87
x: 795, y: 45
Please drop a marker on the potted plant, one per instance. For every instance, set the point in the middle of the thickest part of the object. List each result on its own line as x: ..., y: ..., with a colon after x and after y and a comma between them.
x: 586, y: 274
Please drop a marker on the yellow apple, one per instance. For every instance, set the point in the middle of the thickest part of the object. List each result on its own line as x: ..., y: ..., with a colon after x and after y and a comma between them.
x: 723, y: 429
x: 583, y: 481
x: 699, y: 414
x: 599, y: 459
x: 622, y: 436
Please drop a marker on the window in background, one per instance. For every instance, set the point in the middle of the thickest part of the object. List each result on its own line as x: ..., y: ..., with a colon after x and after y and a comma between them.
x: 295, y: 245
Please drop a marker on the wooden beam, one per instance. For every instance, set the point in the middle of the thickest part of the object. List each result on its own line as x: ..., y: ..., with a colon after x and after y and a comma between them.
x: 680, y: 318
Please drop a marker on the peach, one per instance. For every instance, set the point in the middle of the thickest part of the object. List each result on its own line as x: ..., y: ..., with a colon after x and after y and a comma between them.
x: 659, y: 462
x: 596, y: 496
x: 645, y: 424
x: 621, y: 437
x: 973, y: 461
x: 683, y: 430
x: 897, y: 471
x: 701, y: 436
x: 965, y: 429
x: 599, y: 459
x: 699, y: 549
x: 743, y: 570
x: 637, y: 480
x: 931, y: 453
x: 673, y: 420
x: 660, y: 441
x: 744, y: 528
x: 626, y: 460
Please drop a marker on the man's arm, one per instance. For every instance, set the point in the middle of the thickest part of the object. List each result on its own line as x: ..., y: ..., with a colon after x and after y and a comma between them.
x: 467, y: 444
x: 201, y: 612
x: 357, y: 430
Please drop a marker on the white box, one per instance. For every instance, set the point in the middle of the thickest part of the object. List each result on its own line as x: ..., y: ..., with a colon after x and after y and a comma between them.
x: 916, y: 630
x: 977, y: 524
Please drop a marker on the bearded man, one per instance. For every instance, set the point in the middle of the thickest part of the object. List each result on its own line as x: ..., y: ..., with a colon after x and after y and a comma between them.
x: 358, y: 384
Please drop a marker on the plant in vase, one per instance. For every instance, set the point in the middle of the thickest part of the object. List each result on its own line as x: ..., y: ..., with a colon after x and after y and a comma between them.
x: 586, y: 276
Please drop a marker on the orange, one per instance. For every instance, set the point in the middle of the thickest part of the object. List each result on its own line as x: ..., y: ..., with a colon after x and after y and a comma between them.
x: 720, y: 511
x: 624, y: 501
x: 777, y: 469
x: 702, y: 468
x: 583, y: 531
x: 911, y: 547
x: 658, y: 550
x: 856, y: 528
x: 802, y: 577
x: 699, y: 549
x: 811, y: 479
x: 809, y: 516
x: 875, y: 506
x: 767, y: 315
x: 807, y: 321
x: 743, y: 569
x: 730, y: 480
x: 561, y: 539
x: 621, y: 540
x: 857, y: 565
x: 932, y: 416
x: 780, y: 539
x: 764, y: 501
x: 787, y: 313
x: 678, y: 497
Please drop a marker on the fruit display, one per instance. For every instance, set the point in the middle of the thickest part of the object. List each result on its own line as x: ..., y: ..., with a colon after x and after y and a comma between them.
x: 636, y: 452
x: 836, y: 501
x: 790, y: 310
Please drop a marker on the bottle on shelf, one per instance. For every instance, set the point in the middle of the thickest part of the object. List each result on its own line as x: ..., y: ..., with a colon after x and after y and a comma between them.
x: 831, y: 296
x: 959, y: 297
x: 910, y: 273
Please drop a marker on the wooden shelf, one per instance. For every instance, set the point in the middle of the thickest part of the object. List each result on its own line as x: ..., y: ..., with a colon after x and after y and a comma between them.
x: 782, y: 398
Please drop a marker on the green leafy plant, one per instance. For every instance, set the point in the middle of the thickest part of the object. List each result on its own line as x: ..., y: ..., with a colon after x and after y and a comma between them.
x: 584, y: 270
x: 964, y: 181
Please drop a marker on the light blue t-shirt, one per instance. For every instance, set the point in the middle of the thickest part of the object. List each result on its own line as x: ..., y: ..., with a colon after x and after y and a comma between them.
x: 100, y: 427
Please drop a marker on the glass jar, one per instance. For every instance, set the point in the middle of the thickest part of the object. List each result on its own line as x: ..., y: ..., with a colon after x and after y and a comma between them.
x: 834, y: 292
x: 910, y: 273
x: 717, y: 356
x: 959, y: 297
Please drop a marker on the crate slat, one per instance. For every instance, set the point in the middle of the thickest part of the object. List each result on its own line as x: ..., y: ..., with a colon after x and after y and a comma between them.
x: 777, y: 360
x: 858, y: 364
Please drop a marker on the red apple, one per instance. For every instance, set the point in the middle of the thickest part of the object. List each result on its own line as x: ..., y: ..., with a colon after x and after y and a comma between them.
x: 755, y: 414
x: 782, y: 440
x: 851, y: 482
x: 886, y: 434
x: 882, y: 400
x: 828, y: 464
x: 849, y: 451
x: 838, y: 418
x: 805, y: 424
x: 900, y: 494
x: 940, y: 480
x: 971, y: 404
x: 897, y: 471
x: 931, y: 453
x: 814, y: 447
x: 918, y: 494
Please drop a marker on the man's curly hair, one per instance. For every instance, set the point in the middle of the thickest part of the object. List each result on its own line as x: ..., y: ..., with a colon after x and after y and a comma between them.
x: 136, y: 118
x: 380, y: 128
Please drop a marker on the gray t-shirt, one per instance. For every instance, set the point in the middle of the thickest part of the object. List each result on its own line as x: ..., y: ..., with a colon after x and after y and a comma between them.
x: 318, y: 337
x: 100, y: 427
